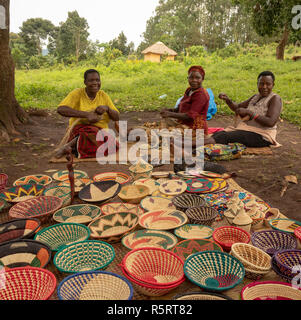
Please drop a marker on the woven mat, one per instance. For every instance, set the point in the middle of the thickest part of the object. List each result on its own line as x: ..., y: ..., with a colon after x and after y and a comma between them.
x: 258, y: 151
x: 185, y: 287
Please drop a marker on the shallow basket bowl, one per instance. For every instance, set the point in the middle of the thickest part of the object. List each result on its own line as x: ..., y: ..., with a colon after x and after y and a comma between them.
x: 186, y: 201
x: 153, y: 266
x: 133, y: 193
x: 85, y: 255
x: 62, y: 192
x: 151, y: 290
x: 201, y: 215
x: 19, y: 229
x: 34, y: 179
x: 286, y: 225
x: 119, y: 177
x: 39, y: 207
x: 95, y: 285
x: 287, y: 260
x: 201, y: 296
x: 271, y: 241
x: 25, y: 252
x: 77, y: 213
x: 112, y: 227
x: 62, y: 234
x: 270, y: 290
x: 22, y: 193
x: 28, y: 283
x: 116, y: 207
x: 214, y: 270
x: 227, y: 235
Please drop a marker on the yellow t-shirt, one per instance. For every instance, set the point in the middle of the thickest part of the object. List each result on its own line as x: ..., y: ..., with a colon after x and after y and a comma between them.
x: 79, y: 100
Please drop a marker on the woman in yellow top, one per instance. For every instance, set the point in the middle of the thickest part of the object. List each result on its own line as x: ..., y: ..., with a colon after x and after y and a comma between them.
x: 90, y: 110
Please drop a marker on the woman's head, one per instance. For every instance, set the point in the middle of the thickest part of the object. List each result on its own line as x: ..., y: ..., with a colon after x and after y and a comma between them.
x: 265, y: 83
x: 92, y: 80
x: 196, y: 75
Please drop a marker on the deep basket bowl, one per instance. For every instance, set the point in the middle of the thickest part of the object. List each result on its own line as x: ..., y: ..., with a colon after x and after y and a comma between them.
x: 201, y: 215
x: 287, y: 260
x: 187, y: 200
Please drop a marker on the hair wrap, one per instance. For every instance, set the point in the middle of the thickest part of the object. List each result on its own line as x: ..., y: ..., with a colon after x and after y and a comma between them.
x: 199, y: 69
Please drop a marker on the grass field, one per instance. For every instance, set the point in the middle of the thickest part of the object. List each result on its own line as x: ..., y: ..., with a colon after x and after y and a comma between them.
x: 137, y: 85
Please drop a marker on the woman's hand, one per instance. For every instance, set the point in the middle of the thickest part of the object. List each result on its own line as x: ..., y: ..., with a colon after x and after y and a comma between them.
x: 101, y: 109
x: 243, y: 112
x: 223, y: 96
x: 165, y: 113
x: 93, y: 117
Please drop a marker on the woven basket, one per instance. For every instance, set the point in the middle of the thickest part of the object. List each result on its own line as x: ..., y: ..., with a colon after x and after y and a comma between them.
x: 271, y: 241
x: 285, y: 225
x: 20, y: 253
x: 279, y: 273
x: 133, y: 193
x: 116, y: 207
x: 270, y: 290
x: 286, y: 261
x: 34, y: 179
x: 227, y: 235
x: 62, y: 192
x: 62, y: 234
x: 18, y: 229
x: 194, y: 231
x: 39, y: 207
x: 78, y: 213
x: 187, y: 200
x: 22, y: 193
x: 3, y: 181
x: 201, y: 215
x: 28, y: 283
x: 3, y: 204
x: 151, y: 290
x: 95, y: 285
x: 214, y: 270
x: 112, y: 227
x: 187, y: 247
x: 153, y: 266
x: 85, y: 255
x: 201, y: 296
x: 119, y: 177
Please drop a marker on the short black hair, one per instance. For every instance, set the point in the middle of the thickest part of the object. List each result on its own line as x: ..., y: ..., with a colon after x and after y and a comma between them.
x: 89, y: 71
x: 266, y: 74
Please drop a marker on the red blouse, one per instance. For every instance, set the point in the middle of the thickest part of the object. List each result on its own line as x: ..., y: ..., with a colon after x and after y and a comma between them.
x: 196, y: 107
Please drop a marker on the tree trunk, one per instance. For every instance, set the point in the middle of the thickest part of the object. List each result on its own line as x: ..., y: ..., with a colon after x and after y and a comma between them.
x: 11, y: 113
x: 282, y: 44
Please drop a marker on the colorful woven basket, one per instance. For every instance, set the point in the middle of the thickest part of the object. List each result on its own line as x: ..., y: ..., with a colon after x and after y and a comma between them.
x: 79, y: 183
x: 42, y: 179
x: 154, y: 203
x: 187, y: 247
x: 39, y: 207
x: 149, y: 238
x: 286, y: 225
x: 270, y: 290
x: 112, y: 227
x: 63, y: 175
x: 3, y: 204
x: 62, y: 192
x: 279, y: 273
x: 22, y: 193
x: 116, y: 207
x: 153, y: 266
x: 133, y: 193
x: 297, y: 233
x: 28, y: 283
x: 187, y: 200
x: 18, y: 229
x: 214, y: 270
x: 95, y: 285
x: 85, y: 255
x: 62, y: 234
x: 194, y: 231
x: 201, y: 296
x: 271, y: 241
x: 227, y: 235
x: 119, y: 177
x: 287, y: 260
x: 20, y: 253
x: 77, y: 213
x: 3, y: 181
x: 201, y: 215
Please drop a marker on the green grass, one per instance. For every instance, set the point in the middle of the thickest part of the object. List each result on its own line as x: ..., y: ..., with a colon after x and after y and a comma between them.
x: 137, y: 85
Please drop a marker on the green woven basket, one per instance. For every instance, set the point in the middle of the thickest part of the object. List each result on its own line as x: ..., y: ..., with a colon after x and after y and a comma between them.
x: 84, y: 256
x: 62, y: 234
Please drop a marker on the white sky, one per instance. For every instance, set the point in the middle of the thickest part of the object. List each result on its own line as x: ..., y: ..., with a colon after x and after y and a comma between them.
x: 106, y: 18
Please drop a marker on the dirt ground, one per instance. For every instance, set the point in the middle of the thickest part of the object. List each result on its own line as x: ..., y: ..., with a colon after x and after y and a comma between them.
x: 262, y: 175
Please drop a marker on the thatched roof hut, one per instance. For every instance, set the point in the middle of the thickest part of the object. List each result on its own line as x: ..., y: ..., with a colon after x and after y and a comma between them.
x: 158, y: 49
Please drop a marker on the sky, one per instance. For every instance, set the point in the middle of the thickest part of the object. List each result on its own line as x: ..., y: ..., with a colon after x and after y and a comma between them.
x: 106, y: 18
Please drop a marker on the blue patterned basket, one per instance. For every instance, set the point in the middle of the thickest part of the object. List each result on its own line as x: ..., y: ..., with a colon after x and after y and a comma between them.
x: 95, y: 285
x: 214, y: 270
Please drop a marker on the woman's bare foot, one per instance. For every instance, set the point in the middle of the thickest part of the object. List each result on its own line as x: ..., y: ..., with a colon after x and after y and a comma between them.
x: 65, y: 149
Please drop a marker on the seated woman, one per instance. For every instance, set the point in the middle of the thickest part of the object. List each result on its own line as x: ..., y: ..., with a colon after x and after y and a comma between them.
x: 259, y: 114
x: 192, y: 110
x: 90, y: 110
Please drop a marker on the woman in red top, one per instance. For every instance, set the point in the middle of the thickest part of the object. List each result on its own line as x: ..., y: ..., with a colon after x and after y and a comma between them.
x: 192, y: 110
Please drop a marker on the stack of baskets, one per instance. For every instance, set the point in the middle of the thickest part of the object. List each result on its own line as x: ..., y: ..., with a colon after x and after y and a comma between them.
x: 153, y: 271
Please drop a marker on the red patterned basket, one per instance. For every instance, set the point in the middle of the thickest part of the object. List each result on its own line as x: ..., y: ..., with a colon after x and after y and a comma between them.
x: 154, y: 266
x: 297, y: 233
x: 3, y: 180
x: 38, y: 207
x: 27, y: 283
x: 227, y: 235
